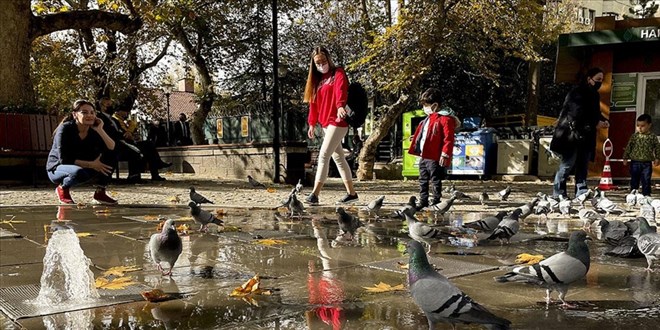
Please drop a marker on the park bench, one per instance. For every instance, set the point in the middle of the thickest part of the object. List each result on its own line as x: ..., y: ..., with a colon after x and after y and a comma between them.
x: 27, y: 137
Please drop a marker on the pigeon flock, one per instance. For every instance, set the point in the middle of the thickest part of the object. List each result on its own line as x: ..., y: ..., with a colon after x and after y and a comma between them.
x: 440, y: 300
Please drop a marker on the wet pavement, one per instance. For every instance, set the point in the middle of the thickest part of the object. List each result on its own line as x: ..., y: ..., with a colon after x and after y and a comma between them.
x: 317, y: 280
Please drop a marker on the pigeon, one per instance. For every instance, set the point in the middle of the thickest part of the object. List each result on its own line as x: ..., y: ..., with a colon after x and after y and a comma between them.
x: 254, y: 183
x: 424, y: 233
x: 348, y: 223
x: 564, y: 205
x: 583, y: 197
x: 487, y: 223
x: 646, y: 210
x: 375, y: 205
x: 504, y: 193
x: 295, y: 206
x: 558, y: 271
x: 619, y: 237
x: 507, y: 228
x: 528, y: 208
x: 444, y: 206
x: 439, y: 299
x: 197, y: 198
x: 460, y: 195
x: 203, y: 217
x: 603, y: 204
x: 449, y: 189
x: 410, y: 207
x: 588, y: 216
x: 483, y: 197
x: 631, y: 198
x: 648, y: 242
x: 298, y: 187
x: 166, y: 246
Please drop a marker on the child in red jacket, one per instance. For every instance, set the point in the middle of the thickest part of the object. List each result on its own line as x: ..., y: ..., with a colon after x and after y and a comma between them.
x: 433, y: 142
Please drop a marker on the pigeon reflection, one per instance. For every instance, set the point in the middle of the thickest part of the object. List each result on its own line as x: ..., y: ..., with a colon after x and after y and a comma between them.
x: 326, y: 291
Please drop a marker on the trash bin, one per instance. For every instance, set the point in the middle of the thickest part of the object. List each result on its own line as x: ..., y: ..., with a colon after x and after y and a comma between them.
x: 473, y: 153
x: 514, y: 156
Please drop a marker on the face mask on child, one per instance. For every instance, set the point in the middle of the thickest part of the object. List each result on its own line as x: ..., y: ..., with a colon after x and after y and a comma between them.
x: 428, y: 109
x: 323, y: 68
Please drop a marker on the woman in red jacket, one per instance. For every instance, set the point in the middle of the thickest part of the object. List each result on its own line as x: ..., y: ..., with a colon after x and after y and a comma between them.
x: 326, y: 92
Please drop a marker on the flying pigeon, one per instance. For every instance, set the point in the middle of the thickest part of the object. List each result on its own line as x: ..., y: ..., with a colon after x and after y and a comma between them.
x: 197, y: 198
x: 166, y: 246
x: 507, y: 228
x: 558, y: 271
x: 504, y: 193
x: 410, y: 207
x: 254, y: 183
x: 487, y: 223
x: 203, y: 217
x: 424, y: 233
x: 348, y: 223
x: 440, y: 300
x: 375, y: 205
x: 648, y: 242
x: 483, y: 197
x: 444, y: 206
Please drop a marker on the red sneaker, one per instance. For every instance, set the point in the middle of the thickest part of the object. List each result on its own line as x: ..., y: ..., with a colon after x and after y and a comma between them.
x: 101, y: 197
x: 64, y: 195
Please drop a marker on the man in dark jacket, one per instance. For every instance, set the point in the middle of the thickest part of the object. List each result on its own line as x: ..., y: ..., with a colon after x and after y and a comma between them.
x: 574, y: 138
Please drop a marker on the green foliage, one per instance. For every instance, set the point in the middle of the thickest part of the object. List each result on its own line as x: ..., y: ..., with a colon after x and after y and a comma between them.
x: 24, y: 109
x: 642, y: 9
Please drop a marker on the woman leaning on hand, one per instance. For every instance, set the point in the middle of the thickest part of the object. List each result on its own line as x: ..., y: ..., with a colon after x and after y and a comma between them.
x: 81, y: 151
x: 326, y: 92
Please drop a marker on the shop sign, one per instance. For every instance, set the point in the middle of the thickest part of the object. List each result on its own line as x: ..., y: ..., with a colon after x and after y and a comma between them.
x: 218, y: 127
x: 245, y: 126
x: 624, y: 90
x: 649, y: 33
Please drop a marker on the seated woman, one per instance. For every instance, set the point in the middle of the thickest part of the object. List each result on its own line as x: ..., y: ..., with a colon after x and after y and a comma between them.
x: 81, y: 151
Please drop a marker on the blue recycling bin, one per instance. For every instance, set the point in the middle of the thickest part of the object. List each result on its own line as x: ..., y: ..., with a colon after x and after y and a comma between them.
x: 474, y: 153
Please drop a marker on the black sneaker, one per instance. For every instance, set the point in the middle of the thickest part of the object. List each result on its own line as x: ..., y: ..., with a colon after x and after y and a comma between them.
x: 312, y: 199
x: 348, y: 198
x: 421, y: 205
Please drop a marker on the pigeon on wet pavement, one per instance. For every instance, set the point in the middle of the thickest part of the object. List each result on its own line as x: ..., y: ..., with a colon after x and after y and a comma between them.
x: 528, y: 208
x: 648, y: 243
x: 254, y: 183
x: 487, y: 223
x: 197, y: 198
x: 166, y: 246
x: 580, y: 199
x: 295, y: 206
x: 424, y: 233
x: 504, y: 193
x: 558, y: 271
x: 565, y: 205
x: 439, y: 299
x: 646, y: 210
x: 444, y: 206
x: 348, y: 223
x: 483, y: 197
x: 375, y: 205
x: 631, y: 198
x: 508, y: 227
x: 203, y: 217
x: 619, y: 238
x: 410, y: 207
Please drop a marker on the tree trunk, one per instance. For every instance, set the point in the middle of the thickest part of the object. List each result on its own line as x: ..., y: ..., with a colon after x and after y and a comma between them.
x: 380, y: 129
x: 16, y: 87
x: 533, y: 81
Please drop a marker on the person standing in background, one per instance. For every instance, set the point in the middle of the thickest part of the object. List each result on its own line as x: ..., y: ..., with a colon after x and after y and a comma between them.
x: 182, y: 131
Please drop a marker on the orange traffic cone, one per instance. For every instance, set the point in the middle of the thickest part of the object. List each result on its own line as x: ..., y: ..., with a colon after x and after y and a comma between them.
x: 606, y: 182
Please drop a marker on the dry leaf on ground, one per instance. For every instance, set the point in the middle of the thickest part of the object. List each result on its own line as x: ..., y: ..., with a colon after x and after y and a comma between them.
x: 154, y: 295
x: 184, y: 219
x: 85, y: 234
x: 270, y: 242
x: 251, y: 287
x: 271, y: 190
x: 174, y: 199
x: 220, y: 213
x: 116, y: 232
x: 384, y: 287
x: 151, y: 217
x: 120, y: 270
x: 228, y: 229
x: 115, y: 283
x: 105, y: 212
x: 529, y: 259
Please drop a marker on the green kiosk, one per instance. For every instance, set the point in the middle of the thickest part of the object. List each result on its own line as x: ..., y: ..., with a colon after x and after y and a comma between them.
x: 411, y: 120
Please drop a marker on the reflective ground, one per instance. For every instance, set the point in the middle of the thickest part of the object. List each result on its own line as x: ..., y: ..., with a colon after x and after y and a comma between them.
x: 317, y: 281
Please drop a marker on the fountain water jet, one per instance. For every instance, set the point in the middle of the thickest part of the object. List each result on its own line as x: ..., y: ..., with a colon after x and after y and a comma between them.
x: 66, y: 276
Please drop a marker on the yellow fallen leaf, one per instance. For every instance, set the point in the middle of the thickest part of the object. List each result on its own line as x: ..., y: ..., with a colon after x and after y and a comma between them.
x: 113, y: 194
x: 154, y: 295
x: 229, y: 229
x: 402, y: 265
x: 251, y: 287
x: 120, y: 270
x: 85, y: 234
x: 384, y: 287
x: 174, y: 199
x: 116, y: 283
x: 185, y: 219
x: 116, y: 232
x: 271, y: 190
x: 220, y: 213
x: 529, y: 259
x: 150, y: 217
x: 270, y: 242
x: 183, y: 229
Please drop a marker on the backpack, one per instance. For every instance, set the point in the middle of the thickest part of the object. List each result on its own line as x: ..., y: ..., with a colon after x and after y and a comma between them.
x: 358, y: 103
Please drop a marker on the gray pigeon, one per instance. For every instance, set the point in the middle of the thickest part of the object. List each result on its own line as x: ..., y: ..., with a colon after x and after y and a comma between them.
x: 424, y: 233
x: 348, y: 223
x: 564, y: 205
x: 619, y: 238
x: 375, y: 205
x: 166, y: 246
x: 460, y: 195
x: 528, y: 208
x: 483, y: 197
x: 588, y: 216
x: 197, y: 198
x: 444, y: 206
x: 410, y: 207
x: 631, y: 198
x: 508, y: 227
x: 558, y: 271
x: 203, y: 217
x: 449, y: 189
x: 487, y: 223
x: 646, y: 210
x: 295, y: 206
x: 583, y: 197
x: 439, y: 299
x: 254, y: 183
x: 648, y: 242
x: 504, y: 193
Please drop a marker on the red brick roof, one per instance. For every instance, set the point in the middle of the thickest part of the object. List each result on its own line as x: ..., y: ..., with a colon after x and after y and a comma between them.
x: 180, y: 102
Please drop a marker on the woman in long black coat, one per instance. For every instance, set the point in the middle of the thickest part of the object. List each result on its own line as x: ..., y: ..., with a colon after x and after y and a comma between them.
x: 575, y: 134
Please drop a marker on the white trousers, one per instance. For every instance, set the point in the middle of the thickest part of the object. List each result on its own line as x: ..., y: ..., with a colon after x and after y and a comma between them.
x: 332, y: 136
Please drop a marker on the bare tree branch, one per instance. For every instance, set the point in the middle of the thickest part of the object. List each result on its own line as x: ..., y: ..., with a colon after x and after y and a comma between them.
x: 46, y: 24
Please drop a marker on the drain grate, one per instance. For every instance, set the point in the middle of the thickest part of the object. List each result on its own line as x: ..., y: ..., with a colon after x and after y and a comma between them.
x: 15, y: 301
x: 450, y: 268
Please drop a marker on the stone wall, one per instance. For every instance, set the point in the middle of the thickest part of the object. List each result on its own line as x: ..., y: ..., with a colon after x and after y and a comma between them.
x: 236, y: 161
